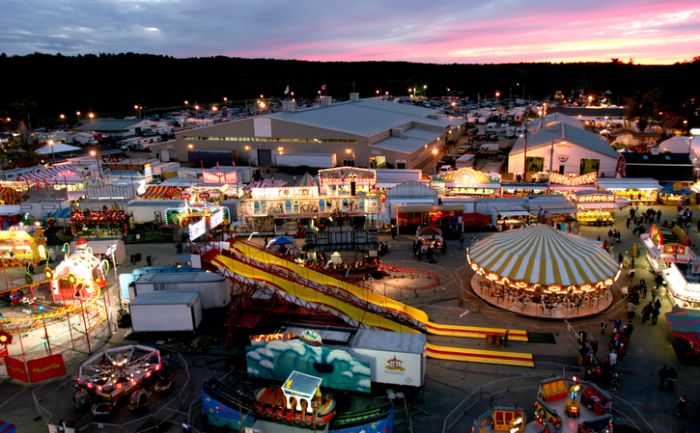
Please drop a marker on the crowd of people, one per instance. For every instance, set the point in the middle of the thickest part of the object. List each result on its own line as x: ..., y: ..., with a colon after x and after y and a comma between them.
x: 603, y: 370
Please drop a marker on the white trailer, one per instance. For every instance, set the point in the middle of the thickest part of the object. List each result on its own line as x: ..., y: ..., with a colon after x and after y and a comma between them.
x: 166, y: 312
x: 396, y: 358
x: 489, y: 148
x: 316, y: 160
x: 146, y: 211
x: 213, y: 288
x: 464, y: 161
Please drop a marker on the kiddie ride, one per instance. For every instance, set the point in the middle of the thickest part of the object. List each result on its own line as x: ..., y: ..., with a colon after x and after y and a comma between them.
x: 121, y: 373
x: 80, y: 275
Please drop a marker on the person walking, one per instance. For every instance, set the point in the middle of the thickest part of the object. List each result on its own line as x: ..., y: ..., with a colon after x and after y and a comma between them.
x: 663, y: 375
x: 149, y: 260
x: 671, y: 378
x: 603, y: 327
x: 655, y: 314
x: 682, y: 404
x: 646, y: 312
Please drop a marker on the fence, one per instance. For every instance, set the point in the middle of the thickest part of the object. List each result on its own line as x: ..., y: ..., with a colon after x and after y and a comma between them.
x: 523, y: 388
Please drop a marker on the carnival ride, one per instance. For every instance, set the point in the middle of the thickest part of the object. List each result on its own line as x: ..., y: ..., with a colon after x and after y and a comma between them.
x: 356, y: 305
x: 117, y: 373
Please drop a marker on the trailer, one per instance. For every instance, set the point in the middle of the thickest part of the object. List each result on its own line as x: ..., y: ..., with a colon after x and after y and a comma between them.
x: 465, y: 161
x: 315, y: 160
x: 146, y: 211
x: 166, y: 312
x: 396, y: 358
x: 213, y: 288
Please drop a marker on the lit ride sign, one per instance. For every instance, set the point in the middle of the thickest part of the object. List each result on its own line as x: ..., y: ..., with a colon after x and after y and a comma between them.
x: 285, y: 192
x: 197, y: 229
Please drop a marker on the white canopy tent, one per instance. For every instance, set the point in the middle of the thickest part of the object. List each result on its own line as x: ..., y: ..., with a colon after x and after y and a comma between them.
x: 55, y: 148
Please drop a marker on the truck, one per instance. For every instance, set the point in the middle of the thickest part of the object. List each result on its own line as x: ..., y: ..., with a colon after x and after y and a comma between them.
x: 166, y: 312
x: 396, y: 358
x: 464, y: 161
x: 315, y: 160
x: 146, y: 211
x: 213, y: 288
x: 489, y: 148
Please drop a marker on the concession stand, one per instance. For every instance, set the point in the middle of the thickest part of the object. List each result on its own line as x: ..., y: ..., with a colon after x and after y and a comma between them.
x: 594, y: 207
x: 683, y: 285
x: 467, y: 182
x: 666, y: 245
x: 641, y: 190
x: 677, y: 193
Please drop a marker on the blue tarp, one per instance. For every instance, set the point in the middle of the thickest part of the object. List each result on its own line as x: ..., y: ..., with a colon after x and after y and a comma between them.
x: 668, y: 189
x: 282, y: 240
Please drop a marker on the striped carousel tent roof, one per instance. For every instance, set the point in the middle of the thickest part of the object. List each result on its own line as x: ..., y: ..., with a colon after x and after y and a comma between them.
x: 158, y: 192
x: 542, y: 255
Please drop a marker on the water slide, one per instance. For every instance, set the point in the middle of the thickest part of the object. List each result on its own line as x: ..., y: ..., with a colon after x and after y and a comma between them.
x: 296, y: 287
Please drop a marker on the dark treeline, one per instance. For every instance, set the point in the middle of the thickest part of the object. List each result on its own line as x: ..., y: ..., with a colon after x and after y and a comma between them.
x: 42, y: 86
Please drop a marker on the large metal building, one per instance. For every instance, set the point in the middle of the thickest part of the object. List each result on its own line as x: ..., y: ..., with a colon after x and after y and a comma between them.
x: 362, y: 132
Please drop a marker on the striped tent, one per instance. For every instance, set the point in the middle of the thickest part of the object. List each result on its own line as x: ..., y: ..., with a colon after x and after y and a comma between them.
x: 542, y: 256
x: 161, y: 193
x: 264, y: 183
x: 685, y: 324
x: 8, y: 196
x: 52, y: 175
x: 306, y: 180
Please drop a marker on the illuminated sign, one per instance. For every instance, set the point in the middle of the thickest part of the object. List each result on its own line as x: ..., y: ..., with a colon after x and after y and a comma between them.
x: 565, y: 179
x: 595, y: 198
x: 285, y: 192
x: 197, y: 229
x: 216, y: 219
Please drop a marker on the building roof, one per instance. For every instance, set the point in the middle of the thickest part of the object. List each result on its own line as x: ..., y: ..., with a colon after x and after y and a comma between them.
x: 611, y: 183
x: 554, y: 117
x: 165, y: 298
x: 559, y: 131
x: 389, y: 341
x: 179, y: 277
x: 107, y: 125
x: 611, y: 112
x: 676, y: 144
x: 665, y: 167
x: 409, y: 141
x: 366, y: 117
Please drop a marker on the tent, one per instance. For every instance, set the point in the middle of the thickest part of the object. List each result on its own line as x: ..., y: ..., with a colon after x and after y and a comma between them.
x: 685, y: 324
x: 306, y: 180
x: 6, y: 427
x: 53, y: 175
x: 55, y: 148
x: 280, y: 240
x: 542, y: 256
x: 162, y: 193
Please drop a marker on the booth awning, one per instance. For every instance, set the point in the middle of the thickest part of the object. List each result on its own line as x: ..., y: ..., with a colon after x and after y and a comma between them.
x: 685, y: 324
x: 162, y: 193
x: 512, y: 213
x: 603, y: 205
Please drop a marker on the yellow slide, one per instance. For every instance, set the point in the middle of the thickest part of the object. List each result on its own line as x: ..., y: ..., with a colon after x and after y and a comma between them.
x: 416, y: 314
x: 371, y: 319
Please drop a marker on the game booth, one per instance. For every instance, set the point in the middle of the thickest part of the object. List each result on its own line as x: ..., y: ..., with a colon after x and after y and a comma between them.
x: 639, y: 191
x: 570, y: 406
x: 467, y: 182
x: 106, y: 223
x: 21, y: 245
x: 666, y: 245
x: 683, y: 284
x: 677, y: 193
x: 594, y: 207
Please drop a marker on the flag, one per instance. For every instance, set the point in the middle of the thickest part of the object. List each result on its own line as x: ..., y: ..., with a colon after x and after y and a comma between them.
x: 201, y: 164
x: 217, y: 165
x: 286, y: 90
x: 233, y: 163
x: 323, y: 87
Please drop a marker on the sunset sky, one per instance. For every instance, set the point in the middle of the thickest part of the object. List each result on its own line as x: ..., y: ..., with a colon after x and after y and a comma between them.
x: 448, y: 31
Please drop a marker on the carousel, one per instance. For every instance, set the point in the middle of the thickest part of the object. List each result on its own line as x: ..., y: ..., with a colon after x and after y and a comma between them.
x: 542, y: 272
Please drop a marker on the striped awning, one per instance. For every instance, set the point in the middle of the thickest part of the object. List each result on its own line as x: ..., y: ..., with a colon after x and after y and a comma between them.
x: 57, y: 174
x: 162, y: 193
x: 542, y: 255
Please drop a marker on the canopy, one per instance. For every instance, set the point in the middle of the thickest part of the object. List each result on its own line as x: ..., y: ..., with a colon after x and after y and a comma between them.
x: 264, y: 183
x: 281, y: 240
x: 685, y: 324
x: 669, y: 188
x: 306, y: 180
x: 56, y: 174
x: 541, y: 255
x: 162, y: 193
x: 50, y: 149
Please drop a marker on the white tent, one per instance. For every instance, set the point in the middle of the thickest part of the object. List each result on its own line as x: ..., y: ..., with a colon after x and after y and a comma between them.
x: 675, y: 144
x: 50, y: 149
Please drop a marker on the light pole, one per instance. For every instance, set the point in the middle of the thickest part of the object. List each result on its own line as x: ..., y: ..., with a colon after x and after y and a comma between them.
x: 53, y: 157
x: 111, y: 251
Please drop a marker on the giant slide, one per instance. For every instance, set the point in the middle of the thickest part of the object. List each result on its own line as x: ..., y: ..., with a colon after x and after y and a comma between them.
x: 302, y: 283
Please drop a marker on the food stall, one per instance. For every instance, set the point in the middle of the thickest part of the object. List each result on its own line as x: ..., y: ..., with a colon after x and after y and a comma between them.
x: 523, y: 189
x: 347, y: 181
x: 683, y: 285
x: 568, y: 183
x: 565, y: 405
x: 640, y: 190
x: 467, y: 182
x: 666, y: 245
x: 594, y: 207
x: 18, y: 246
x: 107, y: 223
x: 676, y: 193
